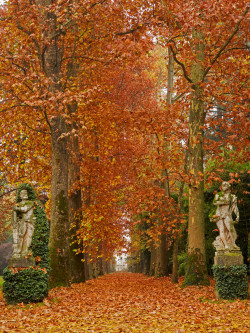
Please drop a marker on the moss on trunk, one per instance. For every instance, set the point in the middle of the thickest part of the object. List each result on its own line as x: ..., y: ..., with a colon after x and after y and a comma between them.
x: 59, y: 244
x: 196, y: 272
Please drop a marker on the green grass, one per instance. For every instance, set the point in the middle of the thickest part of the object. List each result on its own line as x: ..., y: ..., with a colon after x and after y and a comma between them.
x: 1, y: 281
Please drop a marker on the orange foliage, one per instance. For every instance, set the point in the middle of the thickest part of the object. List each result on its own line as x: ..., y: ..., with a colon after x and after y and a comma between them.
x: 127, y: 132
x: 126, y: 302
x: 6, y: 203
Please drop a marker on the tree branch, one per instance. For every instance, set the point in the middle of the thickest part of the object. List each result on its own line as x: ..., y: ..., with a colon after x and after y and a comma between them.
x: 8, y: 192
x: 47, y: 120
x: 180, y: 64
x: 236, y: 29
x: 35, y: 130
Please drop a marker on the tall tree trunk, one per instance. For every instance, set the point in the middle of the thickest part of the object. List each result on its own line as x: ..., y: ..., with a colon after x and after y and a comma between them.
x: 176, y: 240
x: 196, y: 272
x: 162, y: 256
x: 146, y: 262
x: 59, y: 231
x: 152, y: 259
x: 86, y: 267
x: 62, y: 208
x: 175, y: 259
x: 75, y: 210
x: 170, y: 77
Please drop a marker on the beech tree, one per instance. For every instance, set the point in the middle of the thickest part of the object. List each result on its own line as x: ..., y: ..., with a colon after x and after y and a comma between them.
x: 80, y: 90
x: 193, y: 39
x: 51, y: 51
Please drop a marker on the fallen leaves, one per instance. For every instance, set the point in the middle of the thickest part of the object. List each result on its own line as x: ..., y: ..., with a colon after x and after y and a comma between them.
x: 126, y: 302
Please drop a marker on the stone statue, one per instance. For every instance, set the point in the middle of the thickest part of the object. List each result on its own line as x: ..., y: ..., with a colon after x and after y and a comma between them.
x: 226, y: 206
x: 23, y: 226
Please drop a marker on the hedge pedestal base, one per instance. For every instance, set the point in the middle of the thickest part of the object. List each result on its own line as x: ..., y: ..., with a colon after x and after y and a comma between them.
x: 228, y: 258
x: 230, y: 275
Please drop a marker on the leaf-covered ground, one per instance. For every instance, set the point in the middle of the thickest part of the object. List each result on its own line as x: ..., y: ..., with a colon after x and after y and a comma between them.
x: 126, y: 302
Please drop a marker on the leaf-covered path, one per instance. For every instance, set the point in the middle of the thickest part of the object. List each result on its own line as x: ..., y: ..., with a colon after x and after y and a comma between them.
x: 126, y: 302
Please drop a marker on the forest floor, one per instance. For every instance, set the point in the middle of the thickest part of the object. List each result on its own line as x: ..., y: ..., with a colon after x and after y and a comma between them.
x: 126, y: 302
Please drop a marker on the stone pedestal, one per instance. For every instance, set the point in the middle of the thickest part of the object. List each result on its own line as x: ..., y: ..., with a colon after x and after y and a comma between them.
x: 21, y: 261
x: 228, y: 258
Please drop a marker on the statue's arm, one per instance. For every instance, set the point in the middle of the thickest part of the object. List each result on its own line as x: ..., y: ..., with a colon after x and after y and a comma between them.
x: 218, y: 201
x: 235, y: 209
x: 24, y: 209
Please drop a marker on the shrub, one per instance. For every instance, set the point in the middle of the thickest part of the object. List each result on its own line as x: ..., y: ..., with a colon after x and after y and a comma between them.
x: 231, y: 281
x: 25, y: 285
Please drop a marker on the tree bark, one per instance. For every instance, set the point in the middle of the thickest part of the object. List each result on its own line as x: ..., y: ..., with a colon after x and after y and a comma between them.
x: 59, y: 229
x: 64, y: 265
x: 176, y: 240
x: 175, y: 260
x: 75, y: 212
x: 162, y: 256
x: 152, y: 259
x: 196, y: 272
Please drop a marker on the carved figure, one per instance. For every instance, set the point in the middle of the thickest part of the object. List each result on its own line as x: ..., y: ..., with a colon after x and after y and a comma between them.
x: 23, y: 225
x: 226, y: 204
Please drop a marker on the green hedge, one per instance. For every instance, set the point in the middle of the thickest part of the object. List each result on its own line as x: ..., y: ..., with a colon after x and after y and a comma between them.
x: 30, y: 284
x: 26, y: 285
x: 40, y: 240
x: 231, y: 281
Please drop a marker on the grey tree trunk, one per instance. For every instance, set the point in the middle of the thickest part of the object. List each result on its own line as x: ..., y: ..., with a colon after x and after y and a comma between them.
x: 196, y: 272
x: 162, y: 255
x: 63, y: 263
x: 59, y: 230
x: 176, y: 240
x: 75, y: 211
x: 152, y: 259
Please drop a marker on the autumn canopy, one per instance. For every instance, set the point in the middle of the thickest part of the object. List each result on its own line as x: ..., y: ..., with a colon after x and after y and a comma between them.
x: 118, y: 111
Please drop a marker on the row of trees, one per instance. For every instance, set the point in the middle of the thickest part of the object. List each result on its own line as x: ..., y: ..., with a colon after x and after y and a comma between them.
x: 116, y: 106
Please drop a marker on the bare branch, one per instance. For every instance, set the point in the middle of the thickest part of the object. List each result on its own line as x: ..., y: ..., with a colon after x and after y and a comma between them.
x: 12, y: 107
x: 181, y: 64
x: 47, y: 120
x: 35, y: 130
x: 175, y: 99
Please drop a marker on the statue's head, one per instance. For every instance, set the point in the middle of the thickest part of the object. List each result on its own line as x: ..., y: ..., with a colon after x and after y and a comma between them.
x: 225, y: 186
x: 24, y: 195
x: 25, y: 192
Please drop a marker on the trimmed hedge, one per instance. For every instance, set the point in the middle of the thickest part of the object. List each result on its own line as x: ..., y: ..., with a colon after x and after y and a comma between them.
x: 231, y: 281
x: 30, y: 284
x: 40, y: 240
x: 25, y: 285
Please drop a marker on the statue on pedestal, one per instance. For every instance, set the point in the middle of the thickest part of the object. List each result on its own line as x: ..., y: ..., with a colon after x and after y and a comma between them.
x: 226, y: 207
x: 226, y: 216
x: 26, y: 276
x: 23, y: 221
x: 229, y: 271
